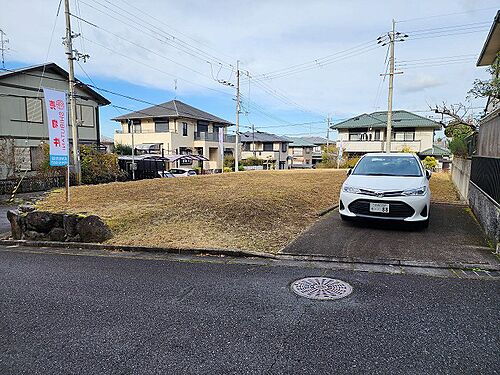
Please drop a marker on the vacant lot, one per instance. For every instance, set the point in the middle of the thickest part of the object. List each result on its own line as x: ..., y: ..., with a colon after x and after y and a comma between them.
x: 261, y: 210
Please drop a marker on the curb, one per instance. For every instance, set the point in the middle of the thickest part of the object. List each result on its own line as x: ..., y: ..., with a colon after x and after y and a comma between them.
x: 327, y: 210
x: 256, y: 254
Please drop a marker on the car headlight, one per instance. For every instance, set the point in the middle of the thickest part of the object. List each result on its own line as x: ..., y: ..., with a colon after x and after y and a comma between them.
x: 350, y: 189
x: 418, y: 191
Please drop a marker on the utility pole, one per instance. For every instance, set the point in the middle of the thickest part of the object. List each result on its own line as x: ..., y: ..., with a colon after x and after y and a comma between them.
x: 391, y: 38
x: 73, y: 55
x: 253, y: 141
x: 391, y: 88
x: 3, y: 46
x: 72, y: 102
x: 131, y: 126
x: 237, y: 149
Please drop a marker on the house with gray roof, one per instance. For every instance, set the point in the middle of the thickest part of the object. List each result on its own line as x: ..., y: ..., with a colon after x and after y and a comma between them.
x: 441, y: 154
x: 23, y: 118
x: 300, y: 151
x: 367, y: 132
x: 271, y: 148
x: 177, y: 128
x: 319, y: 144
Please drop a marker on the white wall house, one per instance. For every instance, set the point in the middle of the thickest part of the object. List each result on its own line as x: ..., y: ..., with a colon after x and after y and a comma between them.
x: 271, y: 148
x: 176, y: 128
x: 367, y: 132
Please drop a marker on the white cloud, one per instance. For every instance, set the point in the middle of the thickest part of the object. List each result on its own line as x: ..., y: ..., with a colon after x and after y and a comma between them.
x: 421, y: 82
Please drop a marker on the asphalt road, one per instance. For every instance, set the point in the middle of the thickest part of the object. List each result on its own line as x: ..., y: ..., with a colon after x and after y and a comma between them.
x: 95, y: 314
x: 453, y: 236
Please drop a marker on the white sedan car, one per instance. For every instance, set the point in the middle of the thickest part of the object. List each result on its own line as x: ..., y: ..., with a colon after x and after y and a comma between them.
x: 182, y: 172
x: 391, y: 186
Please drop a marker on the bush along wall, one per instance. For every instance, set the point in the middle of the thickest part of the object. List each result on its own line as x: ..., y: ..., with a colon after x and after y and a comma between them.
x: 28, y: 224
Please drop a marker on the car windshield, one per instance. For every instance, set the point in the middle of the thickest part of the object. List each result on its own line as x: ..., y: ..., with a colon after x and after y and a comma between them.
x: 388, y: 166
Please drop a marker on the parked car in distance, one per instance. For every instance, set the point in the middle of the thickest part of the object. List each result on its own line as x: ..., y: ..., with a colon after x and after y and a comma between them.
x: 165, y: 174
x: 182, y: 172
x: 392, y: 186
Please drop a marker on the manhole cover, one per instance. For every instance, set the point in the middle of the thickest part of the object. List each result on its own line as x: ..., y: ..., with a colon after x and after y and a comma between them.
x: 321, y: 288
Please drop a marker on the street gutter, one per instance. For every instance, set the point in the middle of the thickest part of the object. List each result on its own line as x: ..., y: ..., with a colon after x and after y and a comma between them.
x: 255, y: 254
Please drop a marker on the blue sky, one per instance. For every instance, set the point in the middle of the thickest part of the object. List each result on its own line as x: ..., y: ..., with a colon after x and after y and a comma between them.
x: 144, y: 48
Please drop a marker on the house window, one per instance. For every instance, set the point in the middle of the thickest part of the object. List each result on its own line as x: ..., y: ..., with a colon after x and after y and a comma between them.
x: 284, y: 147
x: 85, y: 113
x: 358, y: 135
x: 268, y: 146
x: 34, y: 111
x: 161, y: 125
x: 377, y: 134
x: 403, y: 134
x: 184, y: 129
x: 136, y: 126
x: 246, y: 146
x: 202, y: 127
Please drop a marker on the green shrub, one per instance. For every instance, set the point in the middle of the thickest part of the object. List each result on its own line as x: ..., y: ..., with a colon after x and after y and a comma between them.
x: 98, y: 167
x: 227, y: 169
x: 350, y: 163
x: 429, y: 162
x: 458, y: 147
x: 252, y: 161
x: 122, y: 149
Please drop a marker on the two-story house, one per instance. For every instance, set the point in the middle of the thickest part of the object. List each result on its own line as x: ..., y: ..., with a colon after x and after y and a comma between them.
x: 271, y: 148
x: 367, y: 132
x: 319, y: 144
x: 300, y: 152
x: 23, y: 119
x: 176, y: 128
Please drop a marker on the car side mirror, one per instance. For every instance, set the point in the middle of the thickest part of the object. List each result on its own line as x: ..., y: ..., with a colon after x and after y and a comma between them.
x: 349, y: 171
x: 428, y: 174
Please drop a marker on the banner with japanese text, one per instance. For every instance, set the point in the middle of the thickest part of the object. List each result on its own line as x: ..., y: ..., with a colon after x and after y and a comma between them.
x: 57, y: 114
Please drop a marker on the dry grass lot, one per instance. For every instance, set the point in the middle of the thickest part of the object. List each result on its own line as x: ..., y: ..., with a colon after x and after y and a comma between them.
x: 260, y: 210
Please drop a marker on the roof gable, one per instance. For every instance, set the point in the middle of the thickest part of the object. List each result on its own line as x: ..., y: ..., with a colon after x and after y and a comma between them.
x: 299, y: 142
x: 172, y: 108
x: 54, y: 68
x: 400, y: 119
x: 262, y: 137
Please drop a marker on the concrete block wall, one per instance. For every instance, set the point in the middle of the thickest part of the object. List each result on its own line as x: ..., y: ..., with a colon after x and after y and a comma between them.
x: 460, y: 175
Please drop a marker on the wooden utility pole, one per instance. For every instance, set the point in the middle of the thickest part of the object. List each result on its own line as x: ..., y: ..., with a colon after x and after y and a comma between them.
x: 237, y: 148
x: 388, y: 135
x: 72, y: 100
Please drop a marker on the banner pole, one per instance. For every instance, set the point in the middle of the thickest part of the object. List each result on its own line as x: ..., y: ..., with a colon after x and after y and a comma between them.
x: 67, y: 182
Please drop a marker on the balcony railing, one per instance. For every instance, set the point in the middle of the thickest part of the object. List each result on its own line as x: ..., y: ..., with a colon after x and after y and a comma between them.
x: 213, y: 137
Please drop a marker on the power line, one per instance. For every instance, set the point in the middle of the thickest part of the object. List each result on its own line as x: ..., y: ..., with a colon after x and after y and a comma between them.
x: 316, y: 62
x: 439, y: 58
x: 154, y: 68
x: 141, y: 26
x: 449, y: 34
x: 445, y: 15
x: 448, y: 28
x: 172, y: 28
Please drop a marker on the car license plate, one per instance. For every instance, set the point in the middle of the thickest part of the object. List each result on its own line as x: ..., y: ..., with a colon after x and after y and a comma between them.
x: 379, y: 207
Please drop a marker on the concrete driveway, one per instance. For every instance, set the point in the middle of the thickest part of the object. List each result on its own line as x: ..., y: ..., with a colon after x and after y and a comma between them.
x: 453, y: 236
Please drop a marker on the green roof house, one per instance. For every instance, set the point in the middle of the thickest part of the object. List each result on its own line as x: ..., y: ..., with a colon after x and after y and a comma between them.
x: 366, y: 133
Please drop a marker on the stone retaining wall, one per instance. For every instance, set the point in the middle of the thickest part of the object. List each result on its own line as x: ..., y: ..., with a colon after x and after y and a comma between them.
x: 28, y: 224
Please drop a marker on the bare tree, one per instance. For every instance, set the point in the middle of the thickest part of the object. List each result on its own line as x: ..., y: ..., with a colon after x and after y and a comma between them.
x: 459, y: 114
